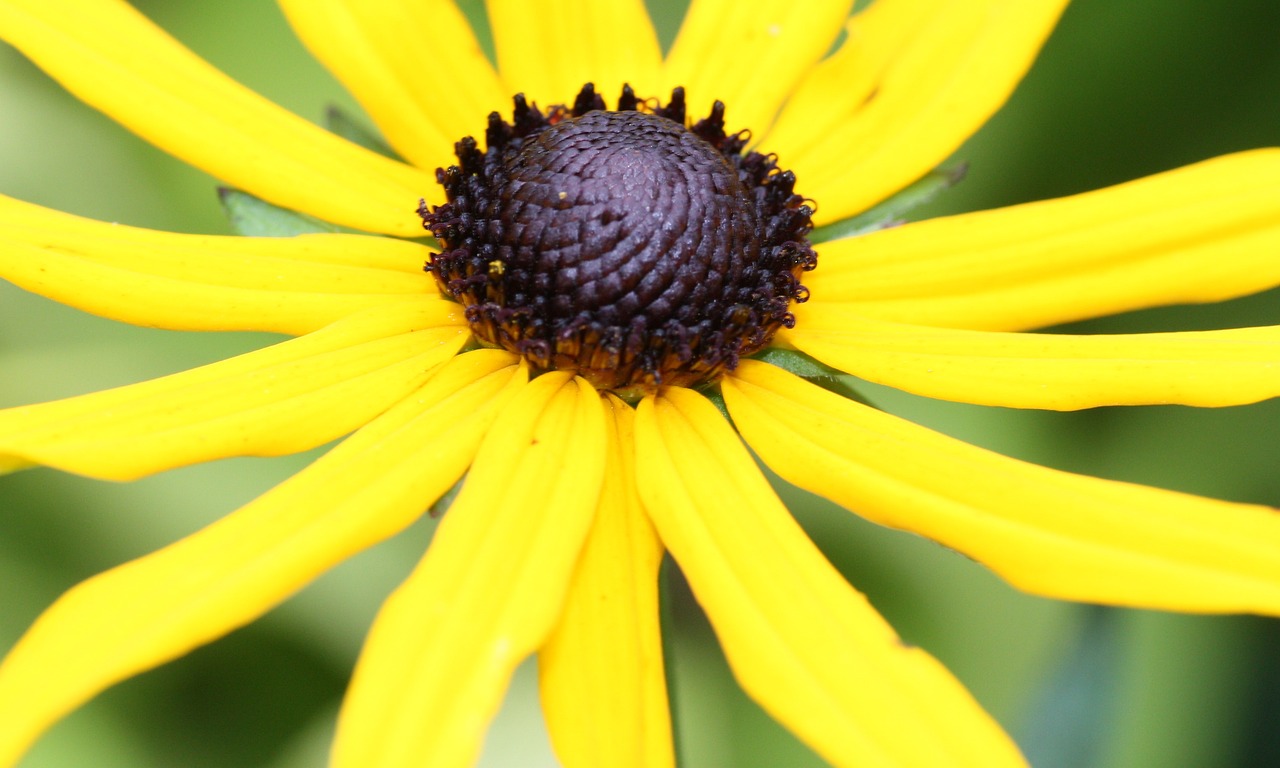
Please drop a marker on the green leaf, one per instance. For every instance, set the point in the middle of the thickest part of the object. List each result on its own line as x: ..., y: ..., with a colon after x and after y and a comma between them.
x: 1068, y: 723
x: 893, y: 210
x: 346, y: 126
x: 253, y: 217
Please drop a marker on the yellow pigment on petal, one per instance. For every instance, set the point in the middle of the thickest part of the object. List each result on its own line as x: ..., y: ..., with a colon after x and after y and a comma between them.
x: 1040, y: 370
x: 1205, y: 232
x: 604, y: 693
x: 547, y: 49
x: 875, y: 38
x: 1048, y: 532
x: 947, y: 76
x: 440, y: 654
x: 156, y: 608
x: 282, y: 399
x: 800, y: 640
x: 750, y: 54
x: 393, y: 55
x: 205, y: 282
x: 117, y: 61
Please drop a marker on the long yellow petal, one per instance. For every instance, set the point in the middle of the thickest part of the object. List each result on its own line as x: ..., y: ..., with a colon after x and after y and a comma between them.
x: 604, y: 694
x: 1048, y: 532
x: 114, y: 59
x: 157, y: 608
x: 547, y: 49
x: 440, y: 654
x: 800, y: 640
x: 749, y: 54
x: 913, y: 81
x: 1202, y: 233
x: 1038, y: 370
x: 286, y: 398
x: 203, y: 282
x: 874, y: 38
x: 396, y: 57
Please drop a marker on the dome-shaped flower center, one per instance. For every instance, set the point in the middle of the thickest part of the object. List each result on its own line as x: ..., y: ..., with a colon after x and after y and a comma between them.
x: 621, y: 244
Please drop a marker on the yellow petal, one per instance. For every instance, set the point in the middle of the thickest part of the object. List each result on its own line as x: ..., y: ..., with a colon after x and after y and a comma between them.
x: 604, y: 694
x: 800, y: 640
x: 286, y: 398
x: 874, y: 38
x: 113, y: 58
x: 204, y: 282
x: 913, y: 81
x: 547, y: 49
x: 1202, y: 233
x: 440, y: 655
x: 1048, y: 532
x: 749, y: 54
x: 157, y: 608
x: 1039, y: 370
x: 396, y: 57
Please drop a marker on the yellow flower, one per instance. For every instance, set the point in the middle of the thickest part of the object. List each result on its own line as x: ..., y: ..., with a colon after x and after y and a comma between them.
x: 571, y: 495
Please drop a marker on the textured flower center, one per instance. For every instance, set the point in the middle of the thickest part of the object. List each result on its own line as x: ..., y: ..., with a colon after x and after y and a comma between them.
x: 622, y: 244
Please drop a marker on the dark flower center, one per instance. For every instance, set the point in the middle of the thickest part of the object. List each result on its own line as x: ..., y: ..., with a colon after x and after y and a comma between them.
x: 622, y: 244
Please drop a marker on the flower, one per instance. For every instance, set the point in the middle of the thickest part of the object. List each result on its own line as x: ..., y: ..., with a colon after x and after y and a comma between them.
x: 570, y: 496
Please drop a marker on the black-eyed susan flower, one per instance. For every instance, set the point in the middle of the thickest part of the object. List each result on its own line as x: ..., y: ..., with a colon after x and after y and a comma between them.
x: 607, y: 260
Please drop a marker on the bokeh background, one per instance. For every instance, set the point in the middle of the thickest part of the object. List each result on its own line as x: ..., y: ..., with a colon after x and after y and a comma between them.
x: 1124, y: 88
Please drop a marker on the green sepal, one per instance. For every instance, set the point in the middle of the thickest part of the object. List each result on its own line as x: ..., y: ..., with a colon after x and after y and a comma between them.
x: 814, y: 371
x: 713, y: 394
x: 893, y: 210
x: 797, y: 362
x: 253, y: 217
x: 351, y: 129
x: 443, y: 503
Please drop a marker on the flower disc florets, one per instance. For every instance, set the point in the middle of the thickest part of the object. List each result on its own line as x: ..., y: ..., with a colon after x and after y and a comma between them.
x: 622, y: 244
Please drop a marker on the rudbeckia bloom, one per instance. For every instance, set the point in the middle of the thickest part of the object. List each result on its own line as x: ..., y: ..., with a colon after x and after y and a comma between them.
x: 607, y: 269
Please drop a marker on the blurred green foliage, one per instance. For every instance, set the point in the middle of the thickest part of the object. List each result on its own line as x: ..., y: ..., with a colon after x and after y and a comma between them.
x: 1124, y: 88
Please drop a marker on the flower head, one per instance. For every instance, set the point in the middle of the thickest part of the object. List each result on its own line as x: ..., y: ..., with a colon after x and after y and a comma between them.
x: 600, y: 281
x: 621, y: 245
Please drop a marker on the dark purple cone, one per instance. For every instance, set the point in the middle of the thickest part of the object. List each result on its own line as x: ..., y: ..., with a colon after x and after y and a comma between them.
x: 621, y: 244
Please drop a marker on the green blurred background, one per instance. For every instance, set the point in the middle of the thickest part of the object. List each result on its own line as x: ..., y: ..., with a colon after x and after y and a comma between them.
x: 1124, y: 88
